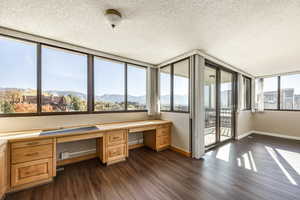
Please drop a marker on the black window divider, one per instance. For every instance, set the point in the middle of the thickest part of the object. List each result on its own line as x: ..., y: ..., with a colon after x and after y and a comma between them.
x: 90, y: 81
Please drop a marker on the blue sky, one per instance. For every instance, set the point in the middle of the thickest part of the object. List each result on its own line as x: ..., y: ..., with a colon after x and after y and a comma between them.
x: 17, y: 64
x: 289, y: 81
x: 63, y: 70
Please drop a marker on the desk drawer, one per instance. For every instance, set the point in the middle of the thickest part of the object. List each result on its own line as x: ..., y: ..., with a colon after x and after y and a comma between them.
x: 31, y: 143
x: 116, y: 152
x: 163, y: 141
x: 163, y: 131
x: 31, y: 171
x: 25, y: 154
x: 116, y: 137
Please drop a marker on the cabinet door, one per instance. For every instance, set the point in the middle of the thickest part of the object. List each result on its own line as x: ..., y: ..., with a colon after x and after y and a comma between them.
x: 116, y: 152
x: 162, y: 141
x: 30, y: 172
x: 3, y: 171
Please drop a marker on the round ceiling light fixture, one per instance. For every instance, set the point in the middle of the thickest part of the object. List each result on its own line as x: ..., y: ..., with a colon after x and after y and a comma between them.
x: 113, y: 17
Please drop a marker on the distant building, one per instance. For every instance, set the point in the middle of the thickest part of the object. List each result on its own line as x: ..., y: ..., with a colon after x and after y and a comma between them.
x: 287, y: 98
x: 297, y: 101
x: 270, y: 100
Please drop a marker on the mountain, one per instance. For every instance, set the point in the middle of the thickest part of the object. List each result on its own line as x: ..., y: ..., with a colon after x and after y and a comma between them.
x: 66, y: 93
x: 120, y: 98
x: 179, y: 99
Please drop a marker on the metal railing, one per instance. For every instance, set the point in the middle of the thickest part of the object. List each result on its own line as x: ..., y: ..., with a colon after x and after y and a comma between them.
x: 225, y: 118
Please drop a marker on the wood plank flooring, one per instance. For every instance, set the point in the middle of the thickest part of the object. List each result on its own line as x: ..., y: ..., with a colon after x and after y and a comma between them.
x: 255, y: 168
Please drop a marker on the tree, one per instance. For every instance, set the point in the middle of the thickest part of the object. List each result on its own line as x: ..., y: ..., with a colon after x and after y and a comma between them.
x: 76, y: 103
x: 6, y: 107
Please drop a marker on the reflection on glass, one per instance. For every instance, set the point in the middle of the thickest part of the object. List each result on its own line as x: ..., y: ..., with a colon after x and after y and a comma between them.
x: 181, y: 85
x: 225, y: 105
x: 270, y: 93
x: 109, y: 85
x: 137, y: 77
x: 210, y: 105
x: 165, y: 88
x: 18, y: 90
x: 247, y: 93
x: 290, y: 92
x: 64, y: 81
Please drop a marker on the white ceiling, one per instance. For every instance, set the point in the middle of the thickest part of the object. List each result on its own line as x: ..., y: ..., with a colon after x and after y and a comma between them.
x: 261, y: 37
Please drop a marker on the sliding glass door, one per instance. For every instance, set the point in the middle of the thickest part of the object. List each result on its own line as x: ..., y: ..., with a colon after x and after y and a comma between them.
x: 226, y: 105
x: 219, y: 100
x: 210, y: 83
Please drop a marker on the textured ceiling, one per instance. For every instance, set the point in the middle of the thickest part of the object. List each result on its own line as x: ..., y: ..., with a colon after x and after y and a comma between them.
x: 261, y: 37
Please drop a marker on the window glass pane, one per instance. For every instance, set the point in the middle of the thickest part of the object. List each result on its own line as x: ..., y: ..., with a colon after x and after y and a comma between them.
x: 109, y: 85
x: 64, y: 80
x: 270, y: 93
x: 290, y: 92
x: 247, y: 93
x: 165, y: 88
x: 18, y: 89
x: 137, y: 77
x: 210, y: 83
x: 181, y: 85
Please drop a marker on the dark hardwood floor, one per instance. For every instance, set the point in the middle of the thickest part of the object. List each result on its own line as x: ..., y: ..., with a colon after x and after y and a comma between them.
x: 257, y: 167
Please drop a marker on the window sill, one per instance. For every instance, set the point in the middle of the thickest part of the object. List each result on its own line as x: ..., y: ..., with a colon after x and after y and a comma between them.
x: 65, y: 113
x: 174, y: 111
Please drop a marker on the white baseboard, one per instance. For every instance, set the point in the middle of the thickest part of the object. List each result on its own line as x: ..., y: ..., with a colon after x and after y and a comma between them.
x: 280, y: 135
x: 244, y: 135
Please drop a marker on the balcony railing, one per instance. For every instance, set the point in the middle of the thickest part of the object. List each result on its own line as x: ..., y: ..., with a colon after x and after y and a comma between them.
x: 225, y: 118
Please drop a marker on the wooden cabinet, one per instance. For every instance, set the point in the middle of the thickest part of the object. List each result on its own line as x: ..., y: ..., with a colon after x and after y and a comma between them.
x: 31, y: 162
x: 116, y: 137
x: 30, y: 172
x: 158, y: 139
x: 25, y: 154
x: 31, y: 143
x: 3, y: 170
x: 163, y: 137
x: 115, y: 146
x: 116, y: 152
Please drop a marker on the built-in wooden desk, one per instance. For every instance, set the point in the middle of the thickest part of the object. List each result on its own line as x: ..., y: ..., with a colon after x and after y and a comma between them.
x: 31, y: 155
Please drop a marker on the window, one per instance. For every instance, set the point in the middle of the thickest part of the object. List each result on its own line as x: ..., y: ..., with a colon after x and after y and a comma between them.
x: 64, y: 80
x: 39, y: 79
x: 174, y: 87
x: 18, y: 77
x: 247, y: 93
x: 109, y: 85
x: 181, y: 86
x: 136, y: 80
x: 165, y: 88
x: 290, y: 92
x: 270, y: 93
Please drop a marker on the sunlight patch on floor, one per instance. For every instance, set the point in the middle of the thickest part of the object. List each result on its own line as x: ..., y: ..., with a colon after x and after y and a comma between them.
x: 272, y: 152
x: 292, y: 158
x: 247, y: 161
x: 224, y: 152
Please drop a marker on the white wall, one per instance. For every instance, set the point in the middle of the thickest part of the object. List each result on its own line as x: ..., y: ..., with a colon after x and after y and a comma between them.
x: 181, y: 129
x: 286, y: 123
x: 244, y: 122
x: 43, y: 122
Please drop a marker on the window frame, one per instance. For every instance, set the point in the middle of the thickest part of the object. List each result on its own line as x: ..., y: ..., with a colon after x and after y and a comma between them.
x: 90, y: 82
x: 279, y: 94
x: 248, y: 107
x: 172, y: 86
x: 125, y: 86
x: 40, y: 67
